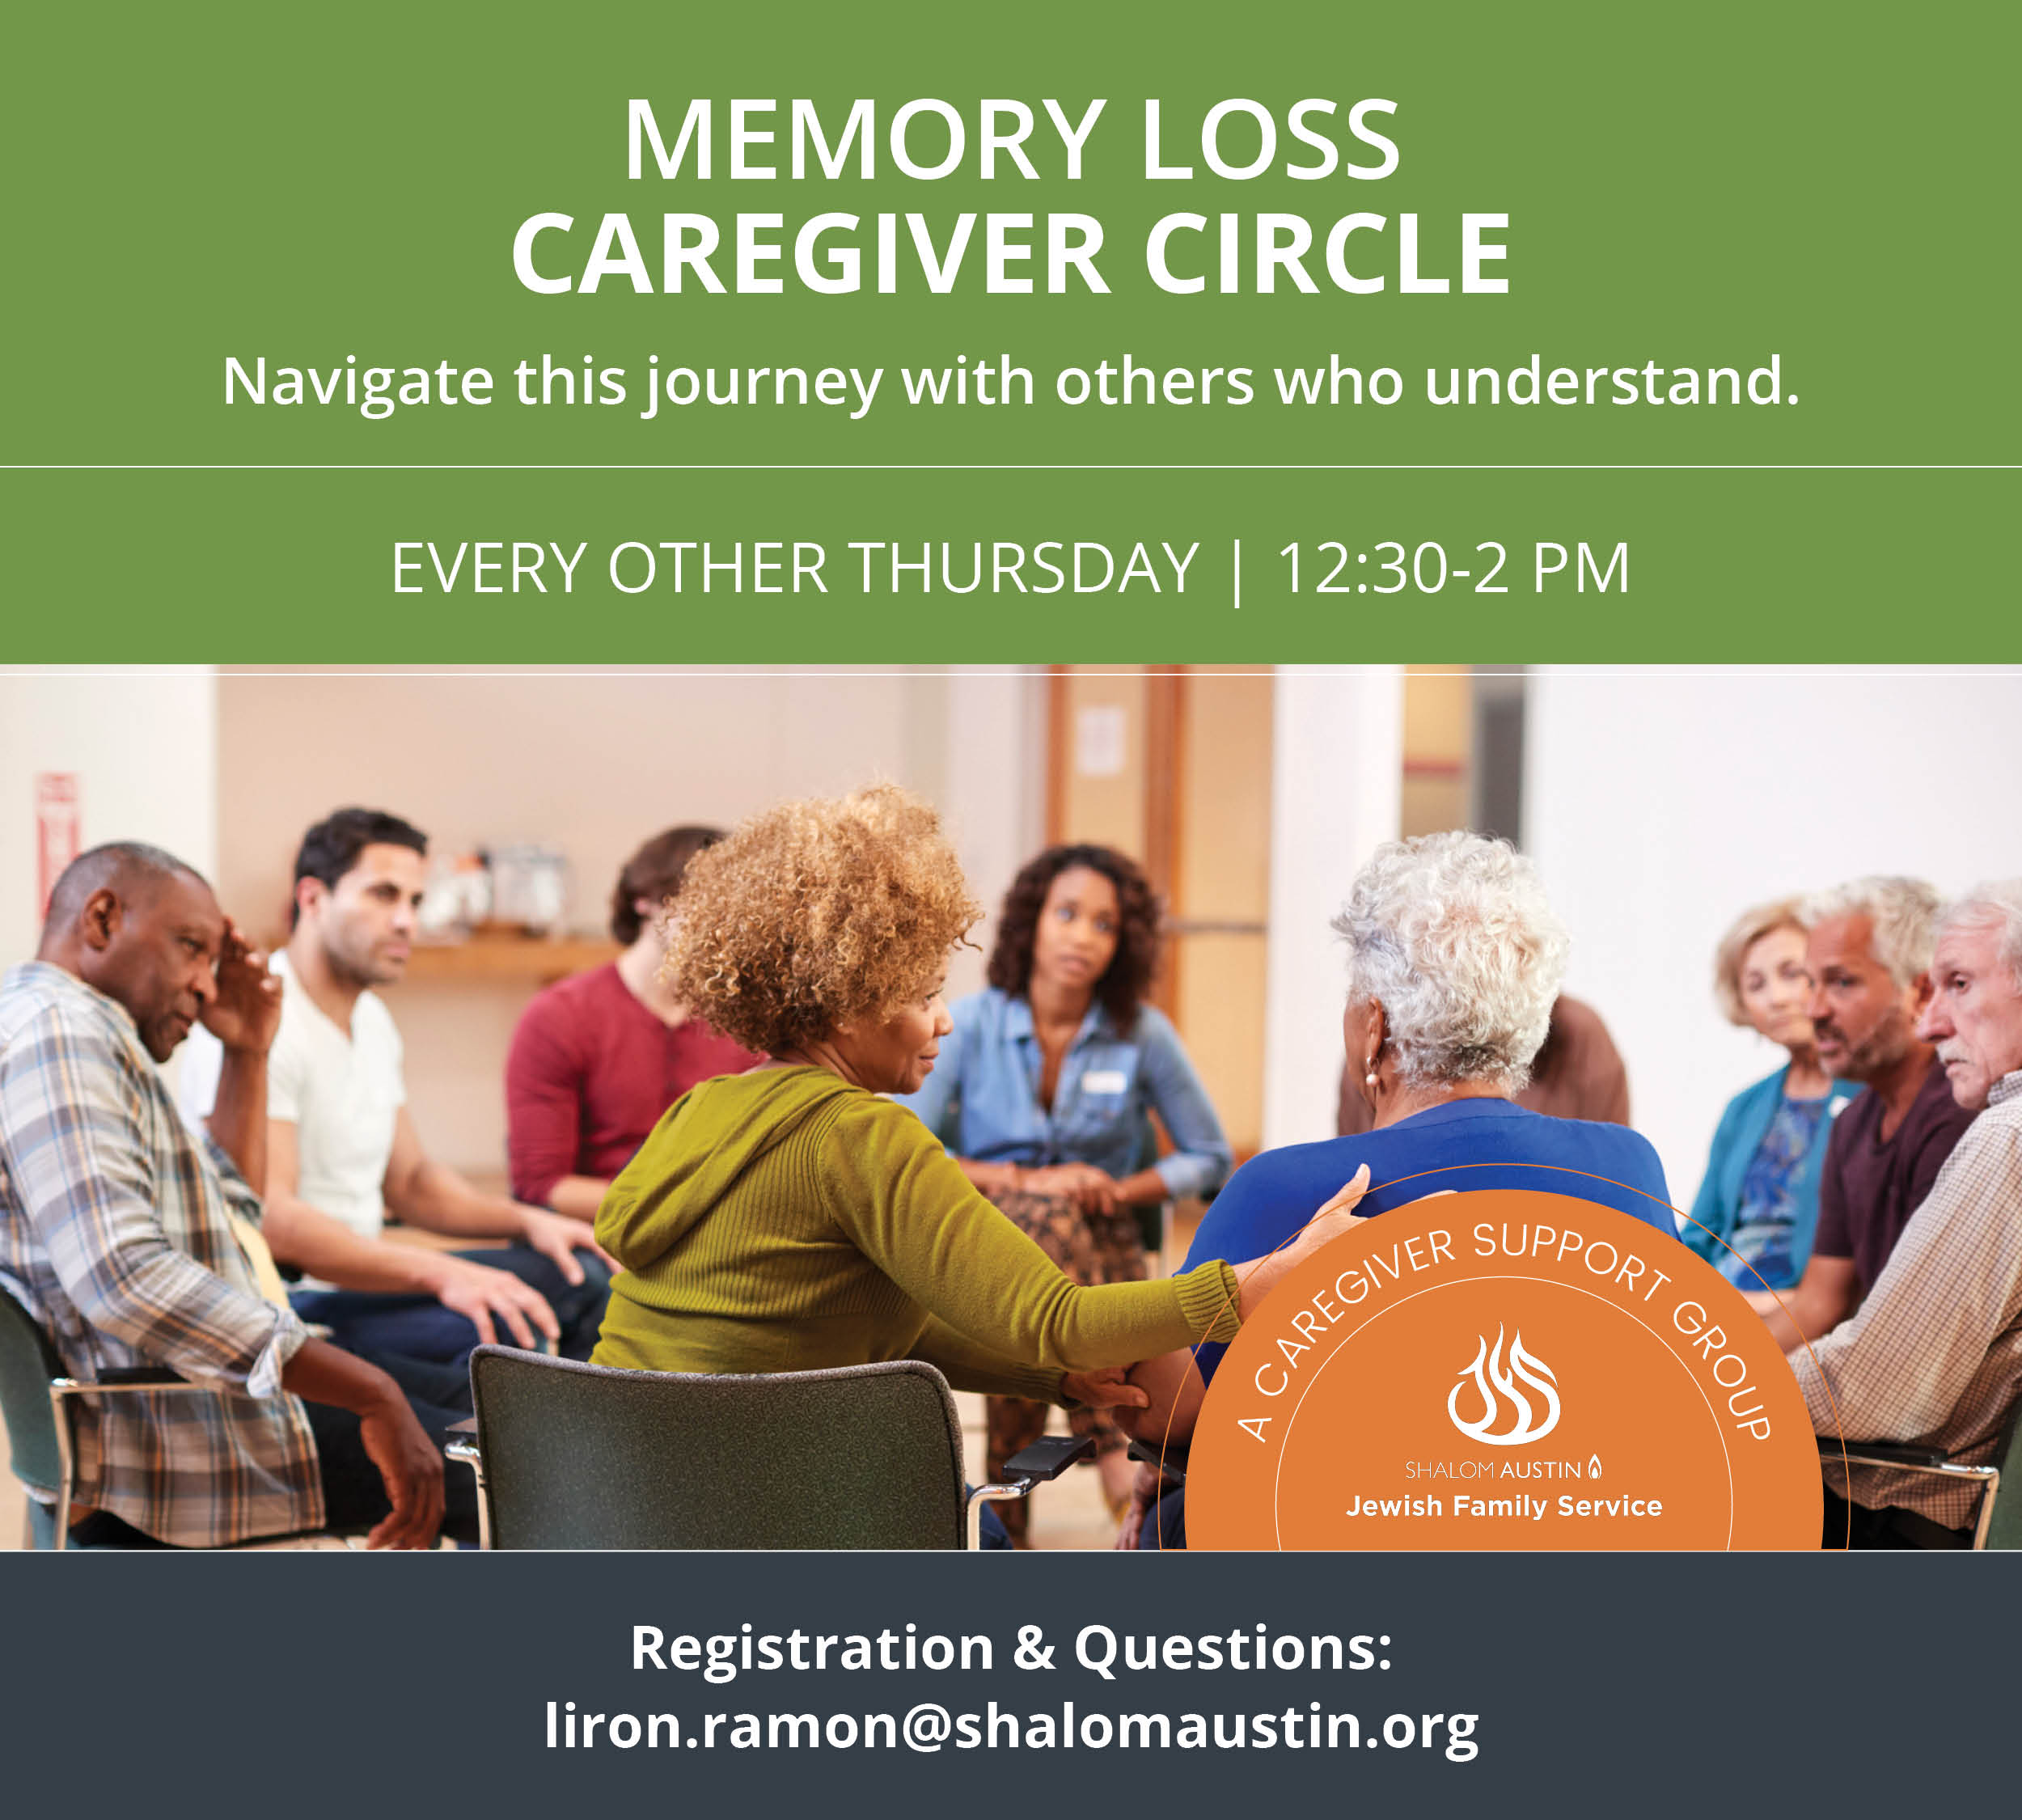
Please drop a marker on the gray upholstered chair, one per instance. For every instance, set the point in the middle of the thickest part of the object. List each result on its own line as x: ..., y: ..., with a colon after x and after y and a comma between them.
x: 580, y: 1456
x: 37, y: 1431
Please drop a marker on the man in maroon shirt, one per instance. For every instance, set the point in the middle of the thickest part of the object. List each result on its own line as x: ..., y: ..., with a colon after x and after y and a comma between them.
x: 1868, y: 951
x: 597, y: 1059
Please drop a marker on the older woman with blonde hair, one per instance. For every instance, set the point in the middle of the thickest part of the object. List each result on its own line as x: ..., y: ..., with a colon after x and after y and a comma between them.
x: 1758, y: 1204
x: 791, y: 1217
x: 1454, y: 958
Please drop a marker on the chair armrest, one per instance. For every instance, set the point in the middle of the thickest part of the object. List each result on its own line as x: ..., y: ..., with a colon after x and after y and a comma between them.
x: 459, y: 1443
x: 1047, y: 1458
x: 128, y: 1377
x: 1881, y: 1453
x: 1170, y: 1459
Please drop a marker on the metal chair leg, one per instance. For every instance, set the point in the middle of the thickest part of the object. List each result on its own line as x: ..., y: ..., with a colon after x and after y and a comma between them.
x: 65, y: 1460
x: 1985, y: 1521
x: 468, y: 1452
x: 991, y: 1494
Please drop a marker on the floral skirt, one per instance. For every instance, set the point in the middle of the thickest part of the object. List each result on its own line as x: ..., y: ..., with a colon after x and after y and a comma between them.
x: 1091, y: 1248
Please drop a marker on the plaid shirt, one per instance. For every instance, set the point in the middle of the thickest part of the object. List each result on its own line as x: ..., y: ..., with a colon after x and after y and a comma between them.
x: 115, y: 1221
x: 1934, y: 1357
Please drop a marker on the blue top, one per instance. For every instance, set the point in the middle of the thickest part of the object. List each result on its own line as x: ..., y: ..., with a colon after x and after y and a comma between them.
x: 1464, y: 1144
x: 1744, y: 1128
x: 1759, y: 1247
x: 983, y: 1099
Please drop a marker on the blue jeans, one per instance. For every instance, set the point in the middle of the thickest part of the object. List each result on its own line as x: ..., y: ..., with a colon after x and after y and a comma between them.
x: 1165, y: 1522
x: 418, y: 1326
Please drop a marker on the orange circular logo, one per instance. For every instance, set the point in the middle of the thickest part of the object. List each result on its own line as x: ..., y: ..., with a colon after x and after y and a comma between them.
x: 1503, y: 1369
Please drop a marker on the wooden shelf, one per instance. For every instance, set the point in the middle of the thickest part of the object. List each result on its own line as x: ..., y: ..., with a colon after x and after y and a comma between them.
x: 497, y: 960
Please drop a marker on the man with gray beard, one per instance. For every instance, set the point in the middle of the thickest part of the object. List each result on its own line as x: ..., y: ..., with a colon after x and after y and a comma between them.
x: 1934, y: 1355
x: 1867, y: 950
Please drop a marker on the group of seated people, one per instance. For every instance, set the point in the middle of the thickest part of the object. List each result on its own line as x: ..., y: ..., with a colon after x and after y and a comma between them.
x: 760, y: 1141
x: 1867, y: 1196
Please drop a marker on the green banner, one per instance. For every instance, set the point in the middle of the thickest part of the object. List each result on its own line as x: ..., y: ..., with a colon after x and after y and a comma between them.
x: 1691, y: 331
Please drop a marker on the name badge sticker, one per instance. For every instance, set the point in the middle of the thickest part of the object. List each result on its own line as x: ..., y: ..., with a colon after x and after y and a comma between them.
x: 1104, y: 1081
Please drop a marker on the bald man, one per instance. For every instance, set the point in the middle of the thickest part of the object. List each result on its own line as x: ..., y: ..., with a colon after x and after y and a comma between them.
x: 116, y: 1230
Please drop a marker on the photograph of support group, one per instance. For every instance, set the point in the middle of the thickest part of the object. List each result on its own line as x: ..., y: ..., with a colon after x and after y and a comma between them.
x: 777, y: 1108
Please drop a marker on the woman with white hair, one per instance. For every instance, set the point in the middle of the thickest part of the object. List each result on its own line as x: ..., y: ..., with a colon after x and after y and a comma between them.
x: 1454, y: 958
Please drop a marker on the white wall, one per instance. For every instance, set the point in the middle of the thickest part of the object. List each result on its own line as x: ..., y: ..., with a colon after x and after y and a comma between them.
x: 144, y: 746
x: 991, y: 787
x: 592, y: 762
x: 1337, y: 731
x: 1661, y: 802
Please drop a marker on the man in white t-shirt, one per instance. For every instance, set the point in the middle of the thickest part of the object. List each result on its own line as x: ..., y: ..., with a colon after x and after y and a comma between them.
x: 342, y: 1149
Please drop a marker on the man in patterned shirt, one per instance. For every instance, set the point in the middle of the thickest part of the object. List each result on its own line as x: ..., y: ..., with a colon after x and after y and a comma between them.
x: 1934, y: 1355
x: 116, y: 1228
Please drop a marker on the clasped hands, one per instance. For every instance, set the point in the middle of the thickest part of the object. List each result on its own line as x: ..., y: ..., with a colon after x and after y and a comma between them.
x: 1084, y: 1187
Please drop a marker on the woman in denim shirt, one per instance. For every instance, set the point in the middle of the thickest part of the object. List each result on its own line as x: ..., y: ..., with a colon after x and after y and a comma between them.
x: 1044, y: 1092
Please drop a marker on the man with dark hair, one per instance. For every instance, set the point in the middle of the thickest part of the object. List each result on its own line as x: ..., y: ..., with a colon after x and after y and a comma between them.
x: 597, y: 1059
x: 650, y: 880
x: 136, y: 1245
x: 342, y: 1149
x: 330, y: 848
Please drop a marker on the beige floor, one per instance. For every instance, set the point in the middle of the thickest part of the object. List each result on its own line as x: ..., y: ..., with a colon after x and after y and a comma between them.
x: 13, y: 1512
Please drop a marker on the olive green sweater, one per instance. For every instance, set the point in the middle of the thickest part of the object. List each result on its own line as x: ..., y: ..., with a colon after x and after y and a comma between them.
x: 786, y: 1220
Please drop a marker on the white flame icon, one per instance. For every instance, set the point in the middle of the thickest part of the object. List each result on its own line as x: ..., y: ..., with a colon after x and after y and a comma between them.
x: 1495, y: 1385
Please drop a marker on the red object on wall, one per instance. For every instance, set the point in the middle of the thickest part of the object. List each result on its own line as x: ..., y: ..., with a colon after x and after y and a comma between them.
x: 58, y: 833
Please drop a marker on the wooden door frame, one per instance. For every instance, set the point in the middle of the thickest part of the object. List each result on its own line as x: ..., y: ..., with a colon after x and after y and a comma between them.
x: 1165, y: 753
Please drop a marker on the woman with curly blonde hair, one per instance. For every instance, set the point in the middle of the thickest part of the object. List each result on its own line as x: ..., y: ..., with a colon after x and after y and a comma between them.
x: 791, y: 1218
